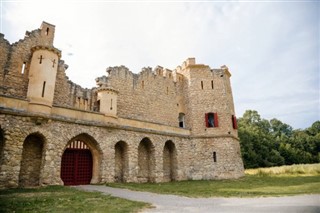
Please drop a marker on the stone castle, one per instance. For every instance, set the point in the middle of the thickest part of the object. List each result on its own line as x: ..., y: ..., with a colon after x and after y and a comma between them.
x: 156, y: 126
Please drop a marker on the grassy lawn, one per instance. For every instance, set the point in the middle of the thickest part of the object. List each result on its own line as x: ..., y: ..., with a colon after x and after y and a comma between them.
x: 63, y: 199
x: 278, y: 181
x: 258, y: 183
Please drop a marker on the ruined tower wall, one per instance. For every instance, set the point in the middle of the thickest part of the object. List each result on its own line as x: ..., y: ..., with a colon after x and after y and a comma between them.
x: 15, y: 80
x: 4, y: 55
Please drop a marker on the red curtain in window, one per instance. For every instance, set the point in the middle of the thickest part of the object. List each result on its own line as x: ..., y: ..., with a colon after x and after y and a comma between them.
x: 215, y: 116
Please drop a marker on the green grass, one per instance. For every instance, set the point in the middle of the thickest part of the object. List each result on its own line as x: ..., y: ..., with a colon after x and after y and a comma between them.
x: 63, y: 199
x: 300, y: 170
x: 291, y: 181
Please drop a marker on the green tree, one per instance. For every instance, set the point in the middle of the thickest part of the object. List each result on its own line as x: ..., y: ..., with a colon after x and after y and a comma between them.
x: 273, y: 143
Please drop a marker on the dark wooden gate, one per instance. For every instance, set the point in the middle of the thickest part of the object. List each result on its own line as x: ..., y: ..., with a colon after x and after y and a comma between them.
x: 76, y: 164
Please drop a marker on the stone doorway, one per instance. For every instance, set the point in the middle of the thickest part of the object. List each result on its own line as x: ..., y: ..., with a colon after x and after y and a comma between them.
x: 146, y: 161
x: 76, y: 164
x: 169, y: 161
x: 121, y: 161
x: 31, y: 161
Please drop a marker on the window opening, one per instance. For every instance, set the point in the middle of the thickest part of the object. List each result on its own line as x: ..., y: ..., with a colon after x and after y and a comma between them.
x: 43, y: 88
x: 211, y: 120
x: 47, y: 31
x: 53, y: 62
x: 181, y: 120
x: 98, y: 106
x: 23, y: 68
x: 142, y: 84
x: 211, y: 84
x: 79, y: 102
x: 214, y: 155
x: 111, y: 104
x: 201, y: 84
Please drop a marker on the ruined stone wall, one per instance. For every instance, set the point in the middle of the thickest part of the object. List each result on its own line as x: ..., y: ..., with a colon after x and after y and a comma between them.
x: 69, y: 94
x: 193, y: 155
x: 150, y: 96
x: 13, y: 58
x: 4, y: 55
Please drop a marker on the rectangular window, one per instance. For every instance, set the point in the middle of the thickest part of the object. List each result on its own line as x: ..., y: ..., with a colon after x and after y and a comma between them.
x: 214, y: 155
x: 211, y: 120
x: 211, y: 84
x: 201, y: 84
x: 234, y: 122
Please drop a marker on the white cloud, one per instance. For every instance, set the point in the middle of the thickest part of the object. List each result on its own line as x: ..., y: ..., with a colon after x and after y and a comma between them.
x: 272, y: 49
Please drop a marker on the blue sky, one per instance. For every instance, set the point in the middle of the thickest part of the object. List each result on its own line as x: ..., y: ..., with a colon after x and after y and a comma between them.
x: 271, y: 48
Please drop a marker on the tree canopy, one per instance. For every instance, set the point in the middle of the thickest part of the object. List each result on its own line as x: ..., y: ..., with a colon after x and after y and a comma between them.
x: 267, y: 143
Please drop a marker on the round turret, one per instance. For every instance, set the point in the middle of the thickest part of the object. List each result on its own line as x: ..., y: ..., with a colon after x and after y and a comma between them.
x: 106, y: 97
x: 42, y: 78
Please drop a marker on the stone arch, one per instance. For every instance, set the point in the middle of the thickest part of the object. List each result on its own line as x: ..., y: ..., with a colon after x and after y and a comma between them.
x: 85, y: 142
x: 1, y: 147
x: 146, y: 161
x: 30, y: 167
x: 121, y: 161
x: 169, y: 161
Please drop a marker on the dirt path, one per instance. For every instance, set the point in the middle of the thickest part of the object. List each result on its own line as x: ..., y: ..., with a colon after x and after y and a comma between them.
x: 173, y: 203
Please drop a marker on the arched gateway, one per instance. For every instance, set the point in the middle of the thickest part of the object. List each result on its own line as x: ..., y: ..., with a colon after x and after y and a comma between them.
x: 76, y: 164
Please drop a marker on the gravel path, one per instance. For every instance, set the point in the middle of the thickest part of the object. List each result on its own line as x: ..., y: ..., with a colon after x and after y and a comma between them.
x: 173, y: 203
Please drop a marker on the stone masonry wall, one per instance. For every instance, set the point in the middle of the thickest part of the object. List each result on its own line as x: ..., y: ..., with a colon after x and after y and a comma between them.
x: 194, y: 156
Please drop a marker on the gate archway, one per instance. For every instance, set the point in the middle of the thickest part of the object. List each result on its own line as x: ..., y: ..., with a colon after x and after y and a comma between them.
x: 76, y: 164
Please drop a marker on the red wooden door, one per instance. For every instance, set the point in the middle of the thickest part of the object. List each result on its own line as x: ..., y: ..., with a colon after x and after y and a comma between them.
x: 76, y: 166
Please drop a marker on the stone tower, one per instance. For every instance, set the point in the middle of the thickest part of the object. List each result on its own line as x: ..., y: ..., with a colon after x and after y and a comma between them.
x: 210, y: 104
x: 43, y: 71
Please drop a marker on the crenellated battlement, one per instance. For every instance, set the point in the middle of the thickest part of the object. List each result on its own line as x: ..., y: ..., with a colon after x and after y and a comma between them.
x: 156, y: 94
